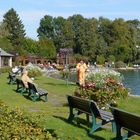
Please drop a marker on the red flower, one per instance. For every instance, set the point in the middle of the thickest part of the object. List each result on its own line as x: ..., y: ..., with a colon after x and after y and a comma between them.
x: 89, y: 85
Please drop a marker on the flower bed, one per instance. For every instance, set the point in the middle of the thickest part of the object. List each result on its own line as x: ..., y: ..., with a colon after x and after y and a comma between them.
x: 103, y: 86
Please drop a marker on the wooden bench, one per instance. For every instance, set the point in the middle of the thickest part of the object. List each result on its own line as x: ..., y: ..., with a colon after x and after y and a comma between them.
x: 12, y: 78
x: 20, y: 86
x: 78, y: 105
x: 127, y: 121
x: 36, y: 93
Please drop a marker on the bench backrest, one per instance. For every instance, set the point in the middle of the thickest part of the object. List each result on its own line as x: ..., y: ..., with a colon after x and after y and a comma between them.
x: 20, y: 82
x: 84, y: 105
x: 127, y: 120
x: 32, y: 87
x: 11, y: 75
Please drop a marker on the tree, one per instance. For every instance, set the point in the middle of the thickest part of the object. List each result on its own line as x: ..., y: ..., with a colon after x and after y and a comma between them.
x: 46, y: 48
x: 134, y: 26
x: 46, y: 28
x: 123, y: 41
x: 4, y: 42
x: 66, y: 38
x: 104, y: 30
x: 90, y: 38
x: 59, y: 27
x: 30, y: 46
x: 56, y: 29
x: 3, y: 30
x: 77, y: 27
x: 15, y: 29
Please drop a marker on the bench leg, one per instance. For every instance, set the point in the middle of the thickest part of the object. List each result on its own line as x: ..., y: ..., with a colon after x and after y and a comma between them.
x: 34, y: 97
x: 71, y: 115
x: 127, y: 135
x: 118, y: 134
x: 74, y: 116
x: 46, y: 98
x: 11, y: 81
x: 95, y: 125
x: 114, y: 129
x: 24, y: 90
x: 21, y: 90
x: 88, y: 121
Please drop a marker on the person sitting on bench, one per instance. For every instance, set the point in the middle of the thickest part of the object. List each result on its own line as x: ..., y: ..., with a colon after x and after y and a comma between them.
x: 25, y: 78
x: 15, y: 69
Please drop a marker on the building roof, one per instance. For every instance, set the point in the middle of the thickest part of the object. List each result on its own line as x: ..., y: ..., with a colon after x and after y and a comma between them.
x: 4, y: 53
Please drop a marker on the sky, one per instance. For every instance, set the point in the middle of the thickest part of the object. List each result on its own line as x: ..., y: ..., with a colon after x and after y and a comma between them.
x: 32, y: 11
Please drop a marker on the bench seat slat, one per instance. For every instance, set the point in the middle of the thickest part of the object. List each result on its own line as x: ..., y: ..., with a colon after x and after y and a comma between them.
x: 42, y: 92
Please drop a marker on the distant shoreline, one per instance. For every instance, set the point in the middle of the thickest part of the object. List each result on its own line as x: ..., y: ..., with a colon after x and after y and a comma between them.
x: 128, y: 68
x: 132, y: 95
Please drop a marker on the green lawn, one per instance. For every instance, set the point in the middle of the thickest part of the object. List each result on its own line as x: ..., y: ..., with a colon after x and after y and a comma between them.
x: 54, y: 113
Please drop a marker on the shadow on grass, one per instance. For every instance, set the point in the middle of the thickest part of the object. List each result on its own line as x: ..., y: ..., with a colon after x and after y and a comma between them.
x: 18, y: 92
x: 26, y: 95
x: 52, y: 131
x: 29, y: 98
x: 83, y: 122
x: 65, y: 105
x: 113, y: 139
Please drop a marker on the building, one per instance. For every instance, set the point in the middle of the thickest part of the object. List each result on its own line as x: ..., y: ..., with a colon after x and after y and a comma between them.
x: 24, y: 60
x: 5, y: 58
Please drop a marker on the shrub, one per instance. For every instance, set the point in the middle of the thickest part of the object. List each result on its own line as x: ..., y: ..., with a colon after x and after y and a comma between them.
x: 59, y: 67
x: 104, y: 86
x: 5, y: 69
x: 71, y: 66
x: 34, y: 72
x: 120, y: 64
x: 137, y: 62
x: 15, y: 126
x: 100, y: 59
x: 65, y: 74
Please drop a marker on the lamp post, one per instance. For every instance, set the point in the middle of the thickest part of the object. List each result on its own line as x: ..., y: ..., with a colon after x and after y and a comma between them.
x: 66, y: 52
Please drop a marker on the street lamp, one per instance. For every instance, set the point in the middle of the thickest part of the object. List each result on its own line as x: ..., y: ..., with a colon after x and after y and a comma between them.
x: 66, y: 52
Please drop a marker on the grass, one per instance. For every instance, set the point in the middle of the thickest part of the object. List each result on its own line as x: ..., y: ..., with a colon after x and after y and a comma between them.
x: 53, y: 114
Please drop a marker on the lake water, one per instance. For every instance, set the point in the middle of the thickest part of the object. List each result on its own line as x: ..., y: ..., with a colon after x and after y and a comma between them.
x: 132, y: 80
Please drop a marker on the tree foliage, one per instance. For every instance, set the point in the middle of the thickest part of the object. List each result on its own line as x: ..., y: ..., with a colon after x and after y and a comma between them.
x: 30, y: 46
x: 15, y: 28
x: 4, y: 42
x: 46, y: 48
x: 94, y: 38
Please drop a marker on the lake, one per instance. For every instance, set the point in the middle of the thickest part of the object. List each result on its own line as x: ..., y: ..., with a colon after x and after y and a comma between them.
x: 132, y: 80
